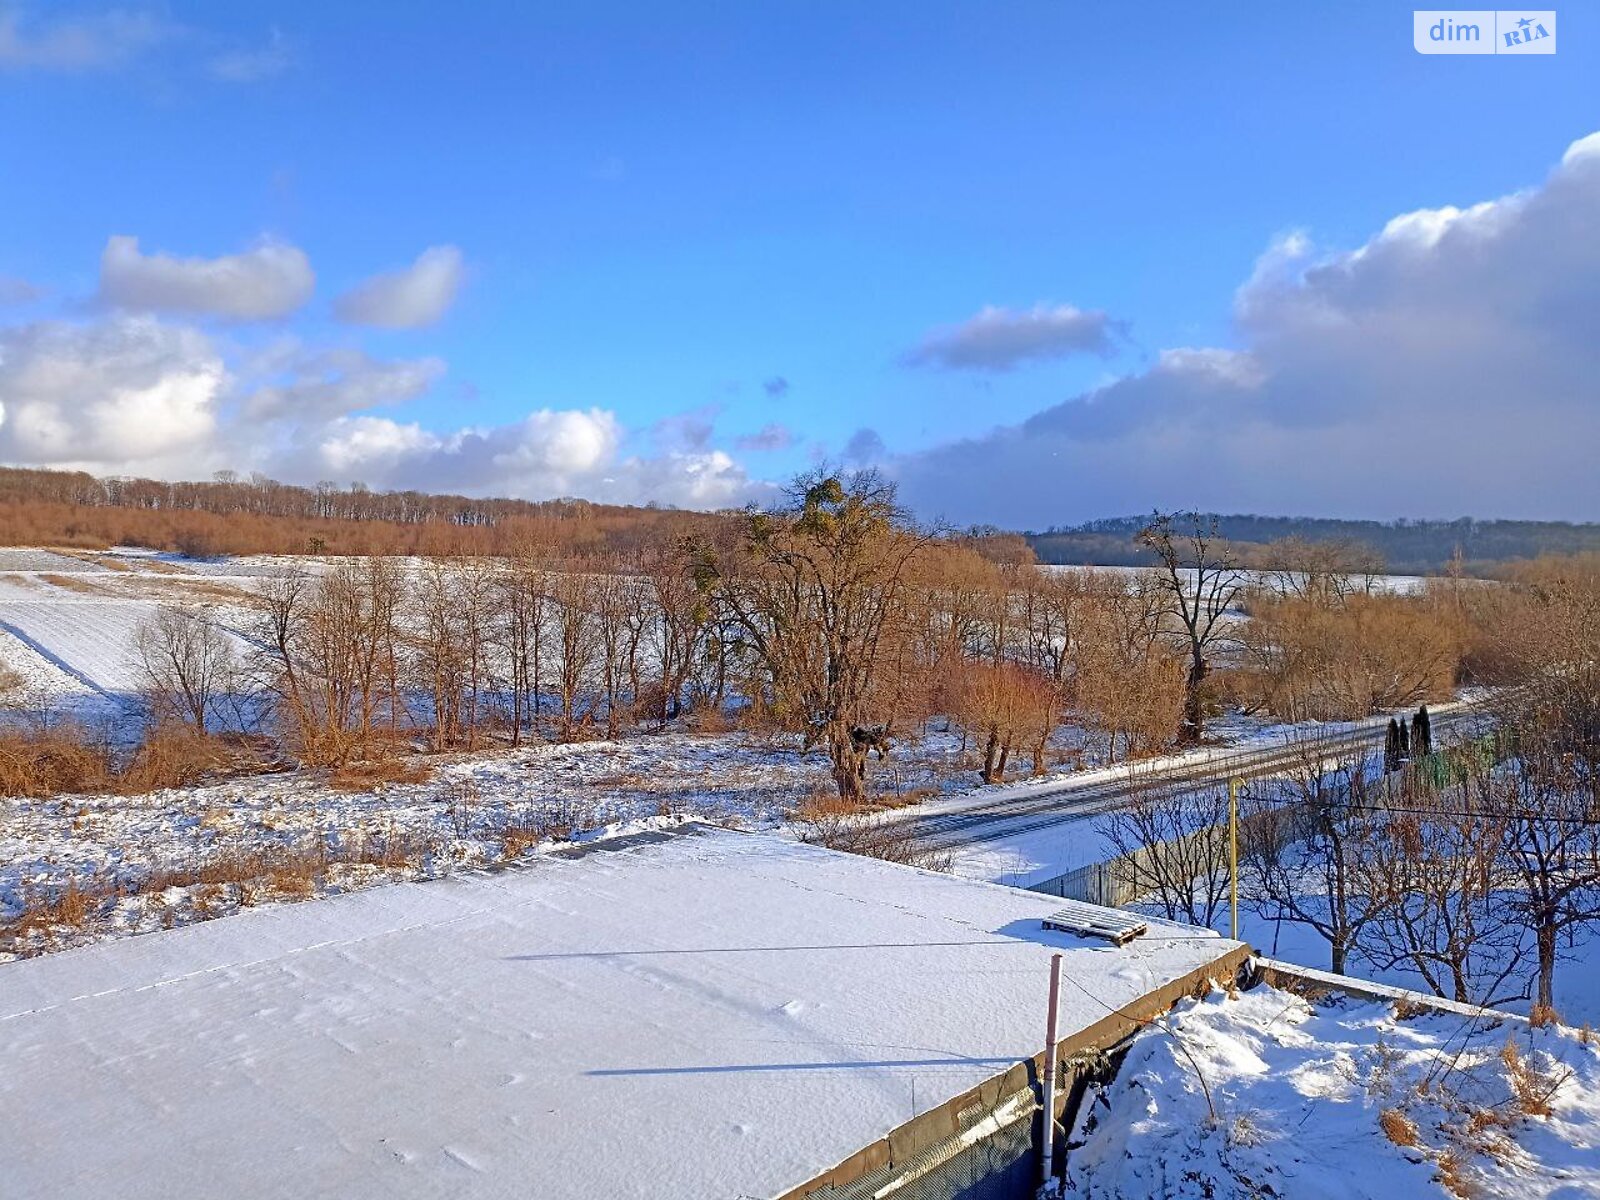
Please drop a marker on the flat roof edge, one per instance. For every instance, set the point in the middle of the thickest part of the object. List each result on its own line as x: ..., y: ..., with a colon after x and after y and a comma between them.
x: 942, y: 1123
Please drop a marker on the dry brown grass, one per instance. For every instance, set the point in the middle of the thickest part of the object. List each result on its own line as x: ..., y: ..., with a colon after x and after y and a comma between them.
x: 873, y: 841
x: 1532, y: 1089
x: 519, y: 839
x: 64, y: 759
x: 162, y: 567
x: 175, y: 756
x: 1409, y: 1010
x: 46, y: 762
x: 1398, y: 1128
x: 1452, y: 1175
x: 46, y: 909
x: 191, y: 589
x: 1542, y: 1015
x: 823, y: 804
x: 74, y: 583
x: 368, y: 775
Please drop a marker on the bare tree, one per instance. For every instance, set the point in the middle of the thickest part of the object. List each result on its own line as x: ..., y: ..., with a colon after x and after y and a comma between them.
x: 1128, y: 684
x: 1443, y: 912
x: 524, y: 598
x: 1201, y: 578
x: 817, y: 599
x: 1552, y: 852
x: 1320, y: 572
x: 1309, y: 856
x: 1547, y: 790
x: 577, y: 639
x: 1172, y: 846
x: 1006, y: 707
x: 187, y: 662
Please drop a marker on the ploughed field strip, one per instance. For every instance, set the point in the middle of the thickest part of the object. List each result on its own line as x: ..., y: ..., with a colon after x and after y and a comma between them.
x: 1072, y: 800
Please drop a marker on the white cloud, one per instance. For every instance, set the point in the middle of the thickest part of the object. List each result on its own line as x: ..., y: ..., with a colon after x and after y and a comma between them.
x: 409, y: 298
x: 1449, y: 366
x: 998, y: 339
x: 270, y: 280
x: 253, y: 65
x: 551, y: 452
x: 137, y: 395
x: 332, y: 383
x: 80, y: 44
x: 129, y: 393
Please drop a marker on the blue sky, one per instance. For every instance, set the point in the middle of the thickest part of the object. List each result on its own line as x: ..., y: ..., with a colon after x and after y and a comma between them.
x: 670, y: 228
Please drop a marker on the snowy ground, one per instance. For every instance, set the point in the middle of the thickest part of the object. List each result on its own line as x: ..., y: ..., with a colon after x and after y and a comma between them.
x: 1577, y: 978
x: 68, y: 623
x: 472, y: 809
x: 706, y: 1015
x: 1314, y: 1101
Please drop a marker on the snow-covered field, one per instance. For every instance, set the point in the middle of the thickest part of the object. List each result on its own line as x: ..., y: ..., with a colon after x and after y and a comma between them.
x: 472, y: 809
x: 1342, y: 1099
x: 68, y: 623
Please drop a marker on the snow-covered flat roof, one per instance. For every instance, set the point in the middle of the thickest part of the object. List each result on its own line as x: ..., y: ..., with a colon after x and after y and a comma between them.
x: 711, y: 1014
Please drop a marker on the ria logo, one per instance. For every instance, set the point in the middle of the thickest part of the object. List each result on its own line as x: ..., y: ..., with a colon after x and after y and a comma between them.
x: 1483, y: 31
x: 1528, y: 30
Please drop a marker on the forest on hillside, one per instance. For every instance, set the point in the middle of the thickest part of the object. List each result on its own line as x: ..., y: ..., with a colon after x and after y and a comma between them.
x: 1406, y: 547
x: 234, y: 514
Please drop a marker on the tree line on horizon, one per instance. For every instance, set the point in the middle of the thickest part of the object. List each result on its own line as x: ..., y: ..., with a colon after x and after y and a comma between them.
x: 238, y: 514
x: 1403, y: 546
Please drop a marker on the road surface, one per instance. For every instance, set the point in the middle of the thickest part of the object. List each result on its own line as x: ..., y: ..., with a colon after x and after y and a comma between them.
x: 1024, y: 808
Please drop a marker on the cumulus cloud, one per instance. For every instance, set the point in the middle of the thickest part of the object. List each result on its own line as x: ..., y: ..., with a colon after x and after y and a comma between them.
x: 551, y: 452
x: 134, y: 394
x: 409, y: 298
x: 769, y: 437
x: 332, y: 383
x: 109, y: 397
x: 78, y: 44
x: 270, y: 280
x: 998, y: 339
x: 1450, y: 365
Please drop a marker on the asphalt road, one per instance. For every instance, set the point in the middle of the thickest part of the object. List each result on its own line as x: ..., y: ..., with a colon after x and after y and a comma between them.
x: 1028, y: 807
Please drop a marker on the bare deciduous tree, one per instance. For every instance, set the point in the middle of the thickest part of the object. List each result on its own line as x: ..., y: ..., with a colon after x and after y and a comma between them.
x: 1201, y: 578
x: 1172, y: 846
x: 817, y: 597
x: 1309, y: 861
x: 188, y: 664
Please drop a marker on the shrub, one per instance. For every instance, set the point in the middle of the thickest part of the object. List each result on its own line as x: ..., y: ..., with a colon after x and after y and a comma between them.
x: 1398, y: 1128
x: 368, y: 775
x: 46, y: 762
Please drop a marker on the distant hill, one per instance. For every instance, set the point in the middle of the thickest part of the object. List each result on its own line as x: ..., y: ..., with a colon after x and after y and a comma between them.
x: 1408, y: 547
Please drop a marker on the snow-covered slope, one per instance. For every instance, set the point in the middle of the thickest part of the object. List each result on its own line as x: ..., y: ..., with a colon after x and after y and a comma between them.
x: 1321, y: 1101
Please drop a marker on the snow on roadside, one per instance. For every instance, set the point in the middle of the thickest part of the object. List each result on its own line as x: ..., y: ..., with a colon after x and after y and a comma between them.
x: 1341, y: 1099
